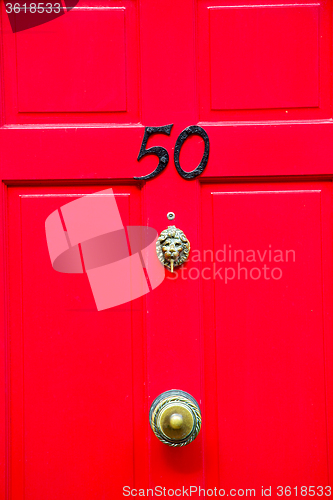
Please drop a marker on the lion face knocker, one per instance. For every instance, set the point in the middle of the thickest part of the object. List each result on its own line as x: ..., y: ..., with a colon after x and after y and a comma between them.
x: 172, y: 247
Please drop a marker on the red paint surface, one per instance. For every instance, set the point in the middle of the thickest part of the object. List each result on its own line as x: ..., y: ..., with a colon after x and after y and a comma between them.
x: 272, y: 49
x: 256, y: 354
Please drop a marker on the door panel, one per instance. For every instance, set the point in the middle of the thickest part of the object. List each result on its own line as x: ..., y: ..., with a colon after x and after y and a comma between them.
x: 269, y: 295
x: 280, y: 65
x: 263, y: 60
x: 79, y: 68
x: 76, y: 375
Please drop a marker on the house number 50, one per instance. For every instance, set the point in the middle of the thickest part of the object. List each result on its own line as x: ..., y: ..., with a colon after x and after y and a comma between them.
x: 163, y: 155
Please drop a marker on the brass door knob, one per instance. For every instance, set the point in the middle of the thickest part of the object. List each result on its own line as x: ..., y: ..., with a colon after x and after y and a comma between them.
x: 175, y: 418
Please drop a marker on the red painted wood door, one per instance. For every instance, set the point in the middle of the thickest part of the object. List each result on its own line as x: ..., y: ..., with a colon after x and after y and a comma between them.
x: 246, y: 325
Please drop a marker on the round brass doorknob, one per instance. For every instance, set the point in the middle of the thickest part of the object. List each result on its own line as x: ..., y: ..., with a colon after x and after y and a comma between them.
x: 175, y: 418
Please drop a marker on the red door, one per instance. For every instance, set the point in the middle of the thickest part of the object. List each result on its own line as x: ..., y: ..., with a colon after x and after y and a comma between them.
x: 245, y: 326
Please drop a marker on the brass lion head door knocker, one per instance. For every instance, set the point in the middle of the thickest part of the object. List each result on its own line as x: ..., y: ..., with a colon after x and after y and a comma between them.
x: 172, y: 246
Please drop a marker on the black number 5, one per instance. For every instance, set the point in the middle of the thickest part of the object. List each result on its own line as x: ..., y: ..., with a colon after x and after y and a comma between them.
x: 162, y: 153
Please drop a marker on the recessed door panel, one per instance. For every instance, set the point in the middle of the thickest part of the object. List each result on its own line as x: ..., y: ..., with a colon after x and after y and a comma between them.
x: 73, y: 391
x: 270, y: 303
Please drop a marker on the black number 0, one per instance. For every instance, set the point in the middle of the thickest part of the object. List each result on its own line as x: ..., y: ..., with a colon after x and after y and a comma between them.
x: 192, y: 130
x: 163, y: 155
